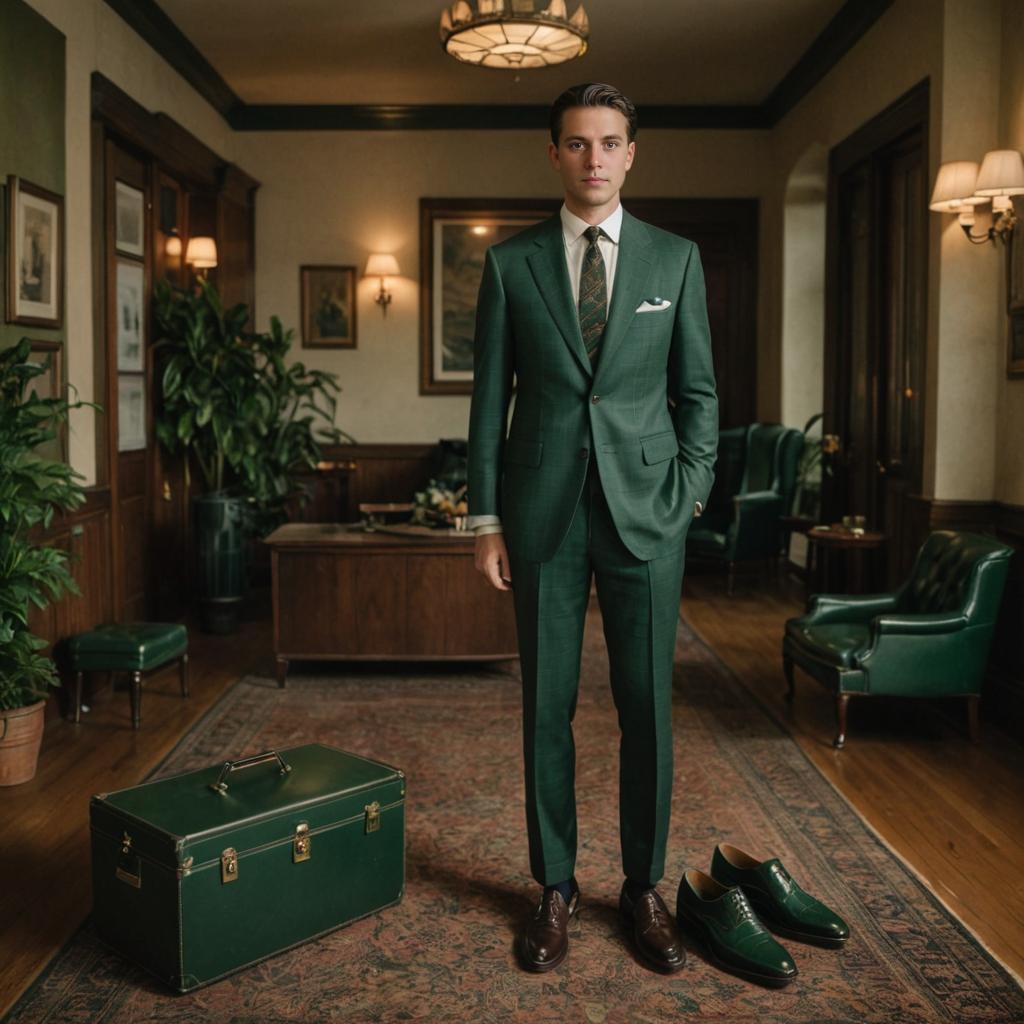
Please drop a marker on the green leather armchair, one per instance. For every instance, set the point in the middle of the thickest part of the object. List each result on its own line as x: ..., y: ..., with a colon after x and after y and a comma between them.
x: 755, y: 478
x: 929, y: 638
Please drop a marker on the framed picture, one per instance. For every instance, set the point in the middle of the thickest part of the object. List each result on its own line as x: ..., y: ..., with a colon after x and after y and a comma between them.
x: 454, y: 237
x: 131, y: 412
x: 35, y: 254
x: 328, y: 306
x: 131, y: 296
x: 50, y: 385
x: 129, y: 220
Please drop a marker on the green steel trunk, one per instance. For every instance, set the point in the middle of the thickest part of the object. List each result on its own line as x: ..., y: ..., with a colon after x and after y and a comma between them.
x: 221, y: 543
x: 193, y: 882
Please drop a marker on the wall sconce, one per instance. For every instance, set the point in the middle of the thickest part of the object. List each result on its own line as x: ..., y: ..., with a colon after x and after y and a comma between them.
x: 201, y: 253
x: 960, y: 186
x: 382, y: 265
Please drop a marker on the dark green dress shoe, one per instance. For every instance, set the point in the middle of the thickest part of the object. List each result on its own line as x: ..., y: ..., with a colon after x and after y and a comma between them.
x: 737, y: 941
x: 777, y: 899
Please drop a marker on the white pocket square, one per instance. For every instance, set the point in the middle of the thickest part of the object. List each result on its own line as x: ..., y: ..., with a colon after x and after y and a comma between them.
x: 654, y: 305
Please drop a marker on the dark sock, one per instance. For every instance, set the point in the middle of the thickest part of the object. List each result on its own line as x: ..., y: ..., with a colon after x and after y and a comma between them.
x: 565, y: 888
x: 635, y: 888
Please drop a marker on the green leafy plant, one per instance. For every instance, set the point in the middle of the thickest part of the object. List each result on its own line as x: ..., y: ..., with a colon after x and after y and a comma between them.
x: 251, y: 420
x: 32, y: 489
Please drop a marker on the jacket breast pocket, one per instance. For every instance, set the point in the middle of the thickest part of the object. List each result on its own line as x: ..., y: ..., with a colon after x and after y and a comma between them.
x: 523, y: 453
x: 659, y: 447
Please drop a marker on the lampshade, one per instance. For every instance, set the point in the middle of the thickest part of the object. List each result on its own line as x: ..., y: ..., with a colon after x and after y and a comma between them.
x: 381, y: 264
x: 954, y: 187
x: 201, y: 252
x: 1001, y: 174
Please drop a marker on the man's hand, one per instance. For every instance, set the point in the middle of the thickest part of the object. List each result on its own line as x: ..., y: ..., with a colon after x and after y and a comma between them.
x: 492, y: 560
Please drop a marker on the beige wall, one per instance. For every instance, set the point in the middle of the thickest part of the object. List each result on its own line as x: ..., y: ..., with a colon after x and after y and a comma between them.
x: 334, y: 197
x: 1010, y: 393
x: 98, y: 40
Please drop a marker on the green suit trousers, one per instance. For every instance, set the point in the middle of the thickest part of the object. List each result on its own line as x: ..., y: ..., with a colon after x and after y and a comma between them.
x: 639, y: 601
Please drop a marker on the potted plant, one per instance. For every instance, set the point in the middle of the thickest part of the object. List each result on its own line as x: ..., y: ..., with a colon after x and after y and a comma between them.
x: 230, y: 400
x: 32, y: 488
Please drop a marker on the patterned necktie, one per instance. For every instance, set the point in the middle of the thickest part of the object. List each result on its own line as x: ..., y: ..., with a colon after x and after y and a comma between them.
x: 593, y: 303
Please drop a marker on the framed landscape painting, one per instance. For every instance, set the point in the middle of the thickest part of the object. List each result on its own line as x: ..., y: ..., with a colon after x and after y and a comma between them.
x: 328, y: 304
x: 49, y: 354
x: 35, y: 254
x: 454, y: 237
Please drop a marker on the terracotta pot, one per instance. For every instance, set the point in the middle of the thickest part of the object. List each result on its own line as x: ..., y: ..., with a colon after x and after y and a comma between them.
x: 21, y: 734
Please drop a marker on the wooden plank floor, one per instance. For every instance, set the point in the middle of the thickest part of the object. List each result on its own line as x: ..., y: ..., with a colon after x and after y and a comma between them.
x: 950, y: 808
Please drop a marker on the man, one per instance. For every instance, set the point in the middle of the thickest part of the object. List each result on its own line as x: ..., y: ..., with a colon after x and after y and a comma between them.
x: 602, y: 320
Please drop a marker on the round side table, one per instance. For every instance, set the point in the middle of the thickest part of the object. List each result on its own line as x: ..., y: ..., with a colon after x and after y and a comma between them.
x: 855, y: 548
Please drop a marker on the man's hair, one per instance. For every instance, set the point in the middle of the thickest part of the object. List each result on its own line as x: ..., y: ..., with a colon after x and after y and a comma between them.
x: 592, y: 94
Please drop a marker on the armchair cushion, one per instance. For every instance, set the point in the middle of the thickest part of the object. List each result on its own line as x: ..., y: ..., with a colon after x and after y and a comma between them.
x: 839, y: 643
x: 848, y: 607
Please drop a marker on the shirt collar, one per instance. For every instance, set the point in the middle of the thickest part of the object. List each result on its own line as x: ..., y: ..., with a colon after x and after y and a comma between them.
x: 573, y: 226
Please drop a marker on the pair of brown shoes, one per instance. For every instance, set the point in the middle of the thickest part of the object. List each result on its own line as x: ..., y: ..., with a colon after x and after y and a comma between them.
x: 544, y: 942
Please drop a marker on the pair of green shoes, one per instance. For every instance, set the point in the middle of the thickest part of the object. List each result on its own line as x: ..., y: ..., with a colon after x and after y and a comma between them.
x: 730, y: 908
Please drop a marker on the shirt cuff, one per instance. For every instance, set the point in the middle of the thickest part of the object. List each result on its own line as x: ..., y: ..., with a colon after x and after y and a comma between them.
x: 484, y: 524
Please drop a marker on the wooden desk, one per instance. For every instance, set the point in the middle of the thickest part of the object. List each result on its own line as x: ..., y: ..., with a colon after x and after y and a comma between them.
x: 343, y: 594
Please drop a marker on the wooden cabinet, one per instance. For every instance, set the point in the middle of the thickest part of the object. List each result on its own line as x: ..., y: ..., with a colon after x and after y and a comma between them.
x: 340, y: 593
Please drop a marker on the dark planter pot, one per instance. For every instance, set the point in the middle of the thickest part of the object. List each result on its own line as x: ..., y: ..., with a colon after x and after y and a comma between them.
x: 221, y: 547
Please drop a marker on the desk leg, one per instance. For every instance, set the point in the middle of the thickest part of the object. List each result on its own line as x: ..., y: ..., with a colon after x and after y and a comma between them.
x: 281, y: 670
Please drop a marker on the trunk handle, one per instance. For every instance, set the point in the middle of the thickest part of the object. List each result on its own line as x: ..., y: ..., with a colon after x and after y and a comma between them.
x: 220, y: 786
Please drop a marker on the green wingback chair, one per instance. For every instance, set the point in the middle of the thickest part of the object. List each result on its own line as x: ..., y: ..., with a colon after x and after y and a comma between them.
x: 755, y: 478
x: 929, y: 638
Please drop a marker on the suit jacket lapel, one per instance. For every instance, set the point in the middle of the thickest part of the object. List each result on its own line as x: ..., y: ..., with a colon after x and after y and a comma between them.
x: 547, y: 264
x: 632, y: 272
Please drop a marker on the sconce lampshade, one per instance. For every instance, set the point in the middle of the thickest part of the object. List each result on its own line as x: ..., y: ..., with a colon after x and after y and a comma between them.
x: 201, y: 252
x: 954, y: 187
x: 381, y: 264
x: 1001, y: 174
x: 172, y: 247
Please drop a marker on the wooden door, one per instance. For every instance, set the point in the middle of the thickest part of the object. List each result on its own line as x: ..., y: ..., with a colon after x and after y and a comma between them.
x: 876, y: 295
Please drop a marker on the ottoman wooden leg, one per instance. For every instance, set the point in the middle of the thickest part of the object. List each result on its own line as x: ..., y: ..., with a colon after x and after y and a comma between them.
x: 281, y: 671
x: 136, y: 690
x: 78, y: 698
x: 183, y: 669
x: 972, y: 718
x: 842, y: 702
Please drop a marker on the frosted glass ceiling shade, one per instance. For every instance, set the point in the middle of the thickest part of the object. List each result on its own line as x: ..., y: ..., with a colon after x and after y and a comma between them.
x: 201, y: 252
x: 514, y: 33
x: 381, y: 264
x: 954, y: 187
x: 1001, y: 174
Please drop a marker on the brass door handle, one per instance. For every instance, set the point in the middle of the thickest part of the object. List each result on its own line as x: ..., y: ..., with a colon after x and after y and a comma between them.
x: 881, y: 468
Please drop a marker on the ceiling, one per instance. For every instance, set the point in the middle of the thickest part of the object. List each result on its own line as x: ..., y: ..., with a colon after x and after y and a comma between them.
x: 686, y: 52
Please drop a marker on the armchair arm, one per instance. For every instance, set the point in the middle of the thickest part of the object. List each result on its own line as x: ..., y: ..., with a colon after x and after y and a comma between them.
x: 862, y: 608
x: 755, y: 527
x: 928, y: 624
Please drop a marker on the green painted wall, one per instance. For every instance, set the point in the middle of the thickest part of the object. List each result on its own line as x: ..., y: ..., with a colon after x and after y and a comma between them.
x: 31, y: 123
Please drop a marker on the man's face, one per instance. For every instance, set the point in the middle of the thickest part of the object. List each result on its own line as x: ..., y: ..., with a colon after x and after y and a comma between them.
x: 592, y: 155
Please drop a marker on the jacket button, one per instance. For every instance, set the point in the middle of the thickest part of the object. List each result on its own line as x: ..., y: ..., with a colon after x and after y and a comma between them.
x: 584, y: 453
x: 596, y: 399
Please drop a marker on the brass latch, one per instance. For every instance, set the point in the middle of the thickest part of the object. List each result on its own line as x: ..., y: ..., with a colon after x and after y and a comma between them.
x: 129, y: 867
x: 373, y: 816
x: 301, y: 845
x: 229, y: 865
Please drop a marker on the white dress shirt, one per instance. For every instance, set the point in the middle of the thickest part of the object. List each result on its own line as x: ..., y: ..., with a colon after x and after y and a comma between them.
x: 575, y: 242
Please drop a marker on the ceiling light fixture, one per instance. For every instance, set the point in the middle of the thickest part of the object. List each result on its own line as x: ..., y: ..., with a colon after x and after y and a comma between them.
x: 513, y: 34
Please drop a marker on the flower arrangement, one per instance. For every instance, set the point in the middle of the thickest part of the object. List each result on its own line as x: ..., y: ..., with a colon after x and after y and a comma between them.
x: 437, y: 505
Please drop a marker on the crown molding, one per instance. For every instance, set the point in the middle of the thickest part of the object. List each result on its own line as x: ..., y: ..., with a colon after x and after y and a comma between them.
x: 146, y: 17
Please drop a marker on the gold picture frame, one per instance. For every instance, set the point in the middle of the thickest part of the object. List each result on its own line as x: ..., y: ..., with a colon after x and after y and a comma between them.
x: 328, y: 306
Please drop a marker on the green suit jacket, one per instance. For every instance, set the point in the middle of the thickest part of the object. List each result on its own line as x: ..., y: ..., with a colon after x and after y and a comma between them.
x: 649, y: 414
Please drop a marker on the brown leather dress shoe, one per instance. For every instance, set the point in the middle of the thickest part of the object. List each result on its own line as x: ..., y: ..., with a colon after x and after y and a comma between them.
x: 544, y: 942
x: 654, y: 932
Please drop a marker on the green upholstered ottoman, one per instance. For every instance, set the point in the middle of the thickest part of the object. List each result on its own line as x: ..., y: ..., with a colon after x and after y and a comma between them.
x: 133, y: 647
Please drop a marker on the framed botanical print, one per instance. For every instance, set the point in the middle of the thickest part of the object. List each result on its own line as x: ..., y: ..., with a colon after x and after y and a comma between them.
x: 131, y: 296
x: 131, y: 412
x: 454, y: 237
x: 129, y: 220
x: 328, y: 301
x: 35, y: 254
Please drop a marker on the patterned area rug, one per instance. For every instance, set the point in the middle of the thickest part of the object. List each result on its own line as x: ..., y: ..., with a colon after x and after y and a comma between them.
x: 446, y: 952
